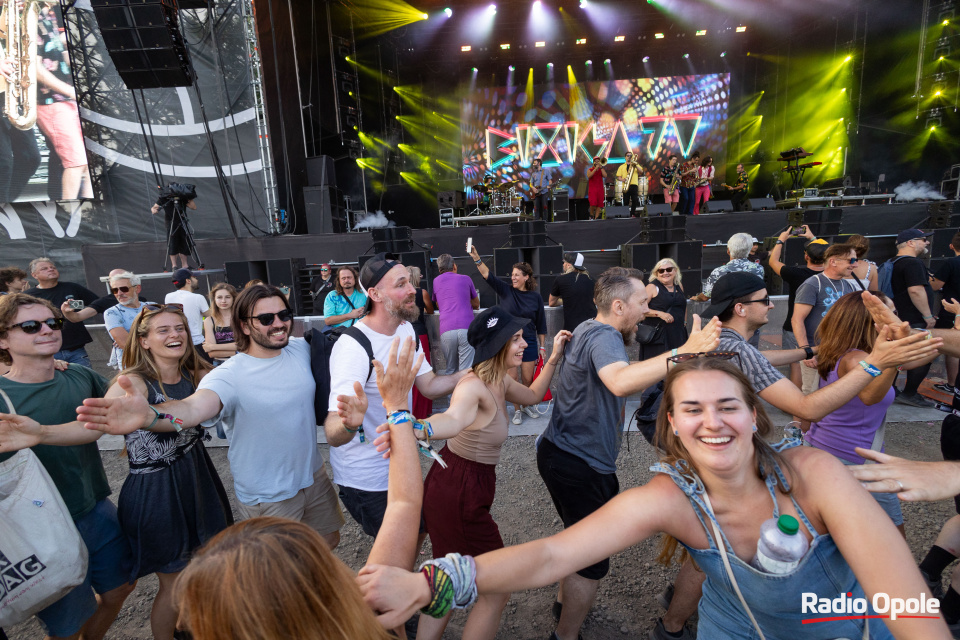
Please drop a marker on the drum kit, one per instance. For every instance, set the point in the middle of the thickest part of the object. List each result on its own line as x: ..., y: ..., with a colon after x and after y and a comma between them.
x: 498, y: 198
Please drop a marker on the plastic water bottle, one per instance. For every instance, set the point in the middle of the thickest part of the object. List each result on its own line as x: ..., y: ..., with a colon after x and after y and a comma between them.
x: 781, y: 545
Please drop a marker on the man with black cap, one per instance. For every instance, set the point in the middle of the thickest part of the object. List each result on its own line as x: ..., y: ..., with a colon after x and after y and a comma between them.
x: 358, y: 469
x: 741, y: 303
x: 195, y: 306
x: 913, y: 300
x: 574, y: 292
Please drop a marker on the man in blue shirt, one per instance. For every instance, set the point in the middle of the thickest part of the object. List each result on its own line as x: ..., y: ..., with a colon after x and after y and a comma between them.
x: 344, y: 306
x: 539, y: 189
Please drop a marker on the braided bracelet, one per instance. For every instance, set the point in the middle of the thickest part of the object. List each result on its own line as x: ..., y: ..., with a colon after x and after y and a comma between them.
x: 453, y: 583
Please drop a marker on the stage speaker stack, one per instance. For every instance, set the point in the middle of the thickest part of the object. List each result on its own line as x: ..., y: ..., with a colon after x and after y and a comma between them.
x: 286, y: 273
x: 528, y: 233
x: 661, y: 209
x: 322, y: 200
x: 761, y: 203
x: 660, y: 229
x: 943, y: 214
x: 545, y: 260
x: 716, y: 206
x: 822, y: 222
x: 561, y: 206
x: 144, y: 41
x: 241, y: 272
x: 392, y: 240
x: 940, y: 243
x: 688, y: 255
x: 456, y: 200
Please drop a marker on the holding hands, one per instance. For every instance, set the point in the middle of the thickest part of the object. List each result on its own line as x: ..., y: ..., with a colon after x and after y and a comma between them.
x: 702, y: 339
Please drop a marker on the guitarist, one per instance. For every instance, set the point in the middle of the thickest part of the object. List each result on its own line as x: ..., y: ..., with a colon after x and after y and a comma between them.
x: 629, y: 174
x: 738, y: 192
x: 539, y: 189
x: 670, y: 181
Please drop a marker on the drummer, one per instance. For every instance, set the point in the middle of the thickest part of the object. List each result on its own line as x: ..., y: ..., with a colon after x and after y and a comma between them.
x: 485, y: 189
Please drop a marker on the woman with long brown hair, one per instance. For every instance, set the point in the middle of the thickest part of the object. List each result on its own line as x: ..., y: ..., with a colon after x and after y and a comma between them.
x: 718, y: 482
x: 846, y: 335
x: 218, y: 340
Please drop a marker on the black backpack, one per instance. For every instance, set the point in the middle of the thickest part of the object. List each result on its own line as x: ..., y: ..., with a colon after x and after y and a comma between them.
x: 321, y: 346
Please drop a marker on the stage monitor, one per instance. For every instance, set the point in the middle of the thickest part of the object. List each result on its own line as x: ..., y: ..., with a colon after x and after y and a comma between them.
x: 42, y: 153
x: 503, y: 129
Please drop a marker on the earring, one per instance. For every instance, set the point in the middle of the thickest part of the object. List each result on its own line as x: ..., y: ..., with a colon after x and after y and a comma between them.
x: 675, y: 432
x: 754, y: 428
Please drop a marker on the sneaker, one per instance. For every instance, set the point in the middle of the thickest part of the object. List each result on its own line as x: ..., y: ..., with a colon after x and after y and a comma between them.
x: 557, y: 610
x: 935, y: 586
x: 660, y: 633
x: 665, y: 597
x: 944, y: 387
x: 531, y: 411
x: 914, y: 400
x: 517, y: 418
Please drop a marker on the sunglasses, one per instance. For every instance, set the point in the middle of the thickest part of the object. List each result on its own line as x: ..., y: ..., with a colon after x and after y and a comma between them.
x: 266, y: 319
x: 665, y: 270
x: 854, y: 260
x: 163, y: 307
x: 765, y: 300
x: 723, y: 355
x: 34, y: 326
x: 324, y: 269
x: 114, y: 290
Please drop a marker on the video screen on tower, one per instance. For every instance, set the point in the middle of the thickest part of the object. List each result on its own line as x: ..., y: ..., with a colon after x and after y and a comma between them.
x: 566, y: 125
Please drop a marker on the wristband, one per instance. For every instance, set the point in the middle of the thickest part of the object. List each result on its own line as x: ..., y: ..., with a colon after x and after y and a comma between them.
x: 176, y: 422
x: 346, y: 428
x: 807, y: 351
x: 869, y: 368
x: 478, y: 262
x: 155, y: 418
x: 928, y: 317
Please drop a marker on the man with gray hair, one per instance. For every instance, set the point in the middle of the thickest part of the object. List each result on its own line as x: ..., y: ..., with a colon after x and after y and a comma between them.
x: 456, y: 298
x: 118, y: 318
x: 50, y: 288
x: 738, y: 248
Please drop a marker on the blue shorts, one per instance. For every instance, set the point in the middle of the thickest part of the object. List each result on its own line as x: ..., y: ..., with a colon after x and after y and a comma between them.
x: 889, y: 502
x: 110, y: 566
x: 74, y: 356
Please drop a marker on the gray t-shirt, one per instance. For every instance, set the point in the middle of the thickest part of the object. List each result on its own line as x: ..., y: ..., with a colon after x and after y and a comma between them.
x: 270, y: 422
x: 820, y: 292
x: 754, y: 364
x: 587, y: 419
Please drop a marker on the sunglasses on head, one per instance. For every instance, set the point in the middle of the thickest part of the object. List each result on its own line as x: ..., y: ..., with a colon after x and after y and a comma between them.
x: 723, y: 355
x: 34, y: 326
x: 266, y: 319
x: 163, y: 307
x: 665, y: 270
x: 114, y: 290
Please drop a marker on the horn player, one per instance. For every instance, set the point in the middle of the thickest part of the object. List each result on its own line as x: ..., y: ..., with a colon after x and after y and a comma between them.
x: 629, y: 176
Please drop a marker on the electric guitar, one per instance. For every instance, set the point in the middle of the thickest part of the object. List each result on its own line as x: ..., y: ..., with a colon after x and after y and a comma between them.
x: 736, y: 188
x: 535, y: 191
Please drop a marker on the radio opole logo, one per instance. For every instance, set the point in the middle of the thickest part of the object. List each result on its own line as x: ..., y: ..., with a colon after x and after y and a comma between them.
x: 846, y: 607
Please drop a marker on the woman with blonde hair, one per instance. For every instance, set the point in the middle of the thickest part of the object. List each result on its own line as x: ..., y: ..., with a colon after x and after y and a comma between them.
x: 664, y: 326
x: 458, y: 495
x: 718, y: 482
x: 846, y: 335
x: 218, y: 339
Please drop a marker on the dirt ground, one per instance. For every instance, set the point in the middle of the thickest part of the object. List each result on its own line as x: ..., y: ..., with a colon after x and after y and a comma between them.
x: 626, y: 605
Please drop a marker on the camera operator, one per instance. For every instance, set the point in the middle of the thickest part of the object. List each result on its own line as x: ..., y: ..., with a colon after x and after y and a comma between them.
x: 178, y: 242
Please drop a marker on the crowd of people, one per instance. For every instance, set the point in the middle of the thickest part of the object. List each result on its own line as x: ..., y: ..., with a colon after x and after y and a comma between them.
x: 265, y: 567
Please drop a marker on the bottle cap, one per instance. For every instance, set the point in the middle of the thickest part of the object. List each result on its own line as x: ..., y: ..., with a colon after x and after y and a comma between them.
x: 788, y: 524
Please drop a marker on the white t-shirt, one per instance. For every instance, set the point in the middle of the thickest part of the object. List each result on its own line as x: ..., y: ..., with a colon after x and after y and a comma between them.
x: 194, y: 306
x: 356, y: 464
x: 270, y: 422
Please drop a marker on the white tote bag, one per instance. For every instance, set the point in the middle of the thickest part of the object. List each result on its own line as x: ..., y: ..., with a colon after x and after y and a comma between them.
x: 42, y: 556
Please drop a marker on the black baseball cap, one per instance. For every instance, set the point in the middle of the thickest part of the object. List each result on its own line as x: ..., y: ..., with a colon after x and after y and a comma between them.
x: 575, y: 259
x: 912, y: 234
x: 728, y: 288
x: 180, y: 276
x: 373, y: 271
x: 490, y: 330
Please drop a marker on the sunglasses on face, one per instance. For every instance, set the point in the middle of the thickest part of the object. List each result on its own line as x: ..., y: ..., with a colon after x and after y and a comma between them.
x: 266, y: 319
x: 34, y: 326
x: 765, y: 300
x: 665, y: 270
x: 327, y: 270
x: 723, y: 355
x: 114, y: 290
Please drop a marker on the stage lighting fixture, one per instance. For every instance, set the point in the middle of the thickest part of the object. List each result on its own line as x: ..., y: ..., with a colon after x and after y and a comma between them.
x: 946, y: 22
x: 723, y: 54
x: 536, y: 4
x: 583, y: 4
x: 589, y: 62
x: 581, y: 41
x: 465, y: 47
x: 550, y: 64
x: 492, y: 9
x: 505, y: 45
x: 619, y: 38
x: 646, y: 58
x: 449, y: 12
x: 843, y: 90
x: 848, y: 58
x: 540, y: 43
x: 686, y: 55
x: 702, y: 32
x: 512, y: 68
x: 474, y: 69
x: 658, y: 36
x: 607, y: 61
x: 741, y: 29
x: 424, y: 16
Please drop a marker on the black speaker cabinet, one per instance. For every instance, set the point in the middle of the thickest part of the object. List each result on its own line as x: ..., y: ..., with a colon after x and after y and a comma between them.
x: 528, y: 233
x: 392, y: 239
x: 692, y: 282
x: 716, y: 206
x: 143, y: 40
x: 451, y: 199
x: 548, y: 260
x: 241, y: 272
x: 662, y: 209
x: 545, y: 286
x: 324, y: 210
x: 321, y: 171
x: 761, y: 203
x: 940, y: 243
x: 688, y: 255
x: 617, y: 211
x: 284, y: 273
x: 640, y: 256
x: 505, y: 258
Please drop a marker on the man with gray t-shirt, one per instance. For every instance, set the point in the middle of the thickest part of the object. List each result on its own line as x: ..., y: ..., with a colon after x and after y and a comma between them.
x: 577, y: 455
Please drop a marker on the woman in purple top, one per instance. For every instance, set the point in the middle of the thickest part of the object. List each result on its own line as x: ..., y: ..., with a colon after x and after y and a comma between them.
x: 847, y: 334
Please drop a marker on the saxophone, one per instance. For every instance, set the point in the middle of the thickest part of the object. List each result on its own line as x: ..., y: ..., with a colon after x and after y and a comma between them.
x: 20, y: 23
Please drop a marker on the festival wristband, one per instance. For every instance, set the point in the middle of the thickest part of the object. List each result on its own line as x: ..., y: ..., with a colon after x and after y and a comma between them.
x: 156, y: 417
x: 453, y: 583
x: 871, y: 370
x: 176, y: 422
x: 399, y: 417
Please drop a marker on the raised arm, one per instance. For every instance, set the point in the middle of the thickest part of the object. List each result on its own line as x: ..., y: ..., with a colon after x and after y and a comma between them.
x: 482, y: 268
x: 519, y: 394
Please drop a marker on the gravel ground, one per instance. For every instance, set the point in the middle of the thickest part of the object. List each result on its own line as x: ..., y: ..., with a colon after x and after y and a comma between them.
x: 626, y: 606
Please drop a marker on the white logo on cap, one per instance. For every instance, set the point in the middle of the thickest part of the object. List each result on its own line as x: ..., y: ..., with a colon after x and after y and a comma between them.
x: 492, y: 322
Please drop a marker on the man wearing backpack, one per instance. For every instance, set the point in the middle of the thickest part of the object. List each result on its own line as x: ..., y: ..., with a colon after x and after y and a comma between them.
x: 358, y: 469
x: 264, y: 397
x: 913, y: 299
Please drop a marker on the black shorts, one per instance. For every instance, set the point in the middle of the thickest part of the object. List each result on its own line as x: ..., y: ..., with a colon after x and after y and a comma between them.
x: 368, y: 508
x: 576, y: 491
x: 950, y: 444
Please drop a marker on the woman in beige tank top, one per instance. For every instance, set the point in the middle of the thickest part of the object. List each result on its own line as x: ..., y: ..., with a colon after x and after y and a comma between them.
x: 457, y: 500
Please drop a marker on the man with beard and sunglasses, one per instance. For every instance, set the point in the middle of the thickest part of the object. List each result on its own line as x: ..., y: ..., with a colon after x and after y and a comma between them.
x: 118, y: 318
x: 577, y: 454
x: 358, y: 469
x: 264, y: 398
x: 42, y: 394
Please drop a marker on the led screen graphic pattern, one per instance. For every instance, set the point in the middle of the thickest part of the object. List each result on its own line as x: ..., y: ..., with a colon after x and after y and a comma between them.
x: 566, y: 125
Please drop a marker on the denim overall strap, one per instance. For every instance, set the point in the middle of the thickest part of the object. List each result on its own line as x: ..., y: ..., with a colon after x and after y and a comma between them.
x: 692, y: 486
x: 771, y: 481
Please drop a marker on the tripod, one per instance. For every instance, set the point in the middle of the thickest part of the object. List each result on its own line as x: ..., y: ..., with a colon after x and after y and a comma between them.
x: 180, y: 223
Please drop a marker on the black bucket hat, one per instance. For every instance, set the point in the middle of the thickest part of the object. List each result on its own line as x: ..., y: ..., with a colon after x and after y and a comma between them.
x: 490, y: 330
